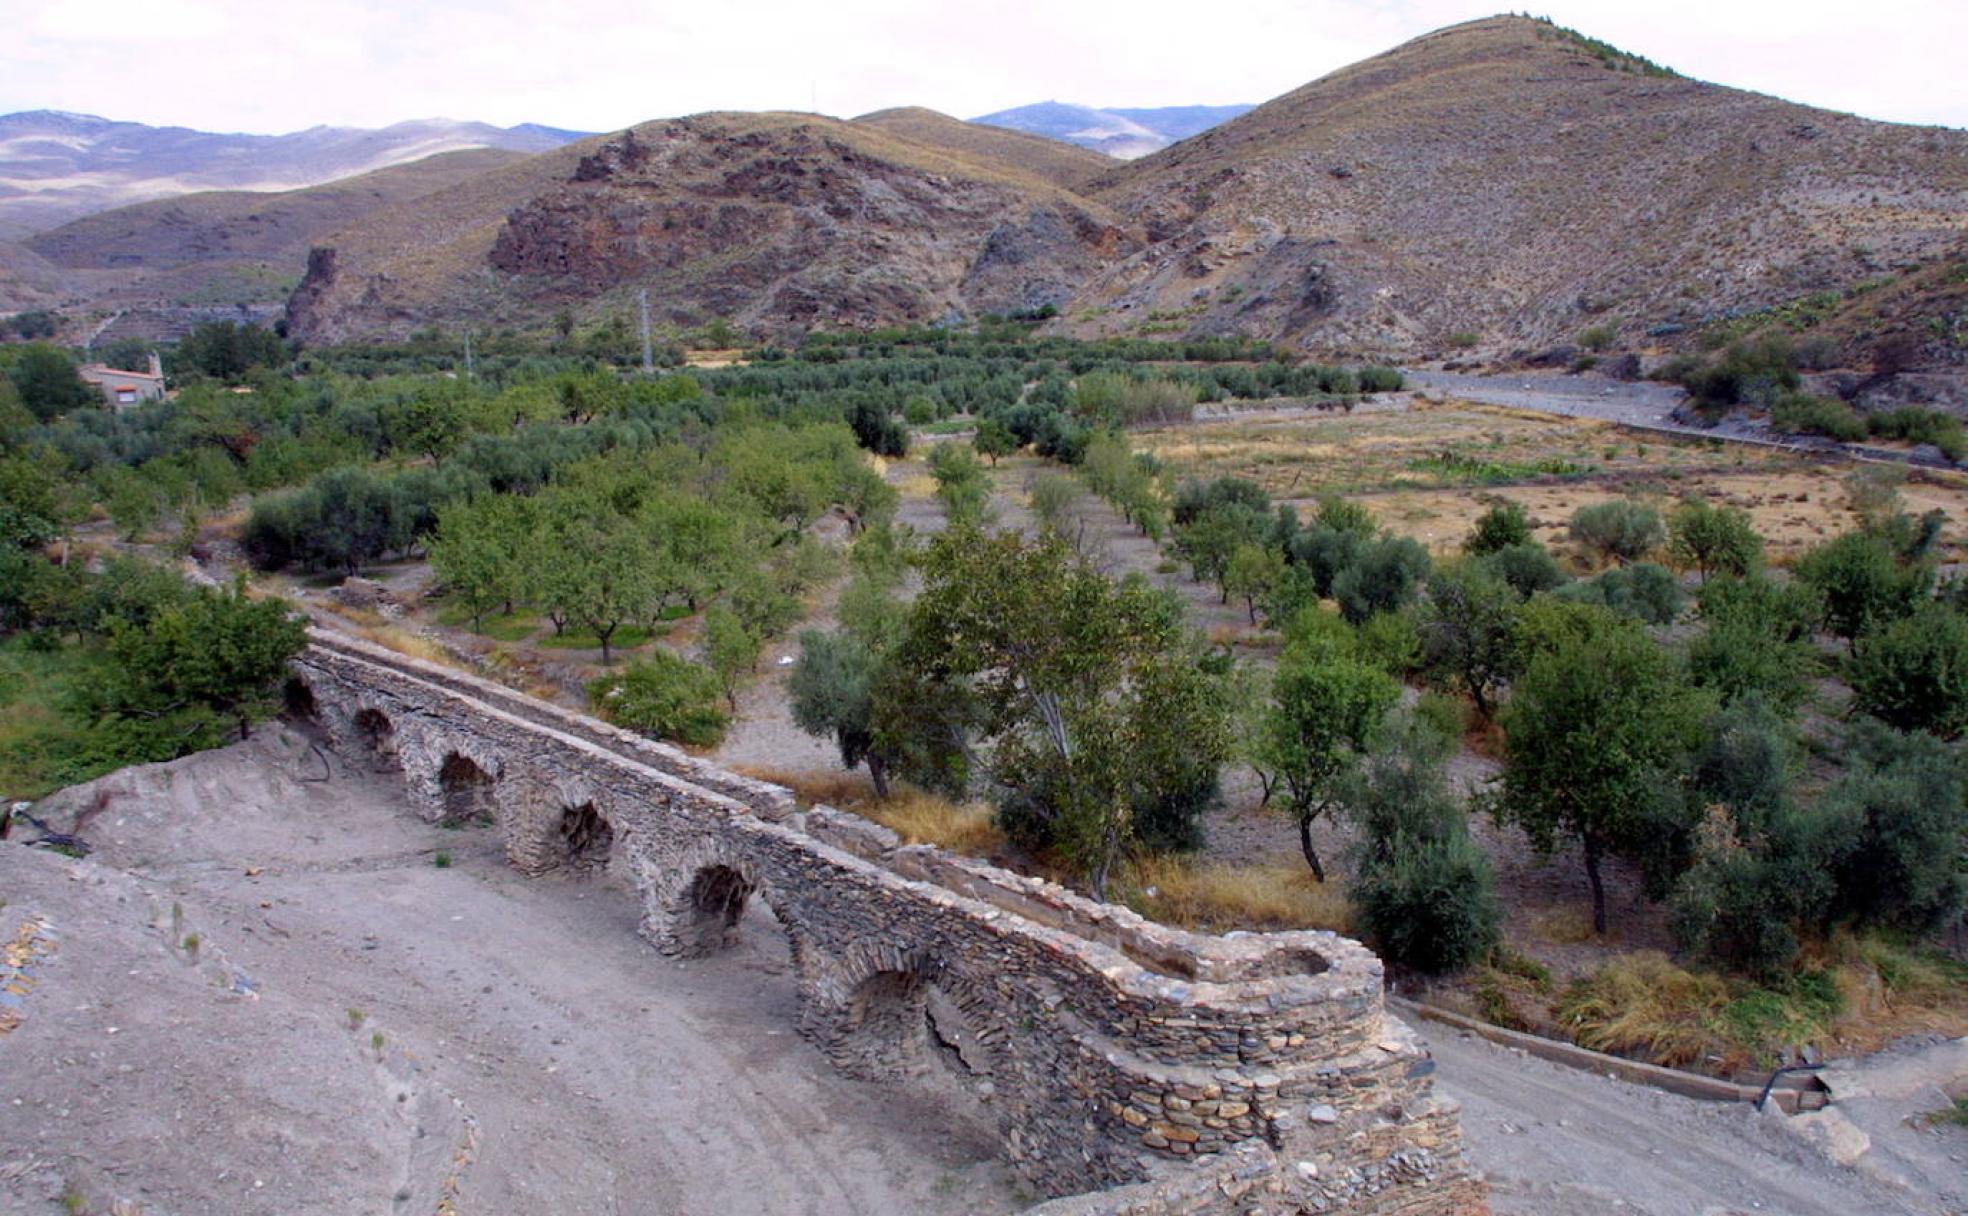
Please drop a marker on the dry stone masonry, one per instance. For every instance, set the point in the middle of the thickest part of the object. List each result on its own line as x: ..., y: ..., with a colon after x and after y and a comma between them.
x: 1131, y: 1068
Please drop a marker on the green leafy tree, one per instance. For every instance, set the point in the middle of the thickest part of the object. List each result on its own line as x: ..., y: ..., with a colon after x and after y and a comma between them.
x: 1913, y: 673
x: 994, y: 439
x: 217, y: 655
x: 1528, y: 568
x: 961, y: 484
x: 1469, y: 632
x: 1383, y: 577
x: 1597, y: 730
x: 831, y: 692
x: 1100, y: 707
x: 1862, y: 584
x: 730, y: 650
x: 1902, y: 806
x: 1326, y: 705
x: 1713, y: 540
x: 1757, y: 640
x: 1251, y: 575
x: 47, y: 382
x: 477, y: 554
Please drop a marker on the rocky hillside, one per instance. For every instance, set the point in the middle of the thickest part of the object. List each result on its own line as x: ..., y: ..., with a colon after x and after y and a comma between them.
x: 780, y: 221
x: 56, y: 166
x: 1496, y: 187
x: 1505, y: 184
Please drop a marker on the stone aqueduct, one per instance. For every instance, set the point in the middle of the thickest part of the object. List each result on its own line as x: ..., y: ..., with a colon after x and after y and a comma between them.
x: 1130, y: 1068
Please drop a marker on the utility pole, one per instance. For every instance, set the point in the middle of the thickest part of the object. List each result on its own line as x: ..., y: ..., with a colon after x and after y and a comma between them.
x: 468, y: 355
x: 648, y: 355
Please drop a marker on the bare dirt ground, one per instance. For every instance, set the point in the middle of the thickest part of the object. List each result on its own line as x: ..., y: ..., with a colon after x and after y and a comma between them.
x: 261, y: 995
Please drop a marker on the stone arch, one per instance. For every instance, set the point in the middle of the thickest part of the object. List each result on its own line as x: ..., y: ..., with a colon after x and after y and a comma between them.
x: 374, y: 735
x: 464, y: 790
x: 892, y: 1014
x: 298, y: 702
x: 586, y: 837
x: 703, y: 916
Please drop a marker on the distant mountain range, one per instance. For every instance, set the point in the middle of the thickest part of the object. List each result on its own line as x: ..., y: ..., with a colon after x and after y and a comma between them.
x: 1121, y: 133
x: 56, y: 166
x: 1496, y: 186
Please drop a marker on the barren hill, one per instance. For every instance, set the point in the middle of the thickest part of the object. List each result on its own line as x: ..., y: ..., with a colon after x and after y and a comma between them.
x: 216, y: 249
x: 1061, y: 164
x: 56, y: 166
x: 1505, y: 182
x: 782, y: 221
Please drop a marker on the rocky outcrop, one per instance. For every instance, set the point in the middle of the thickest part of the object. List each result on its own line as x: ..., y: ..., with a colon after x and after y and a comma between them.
x: 786, y: 227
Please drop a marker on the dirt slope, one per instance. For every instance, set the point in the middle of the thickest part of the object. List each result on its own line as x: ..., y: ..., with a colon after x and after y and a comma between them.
x: 1499, y: 179
x: 1059, y: 163
x: 535, y: 1055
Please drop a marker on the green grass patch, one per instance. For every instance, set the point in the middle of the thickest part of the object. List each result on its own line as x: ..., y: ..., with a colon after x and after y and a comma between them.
x: 1460, y: 468
x: 948, y: 426
x: 41, y: 748
x: 498, y: 626
x: 626, y: 638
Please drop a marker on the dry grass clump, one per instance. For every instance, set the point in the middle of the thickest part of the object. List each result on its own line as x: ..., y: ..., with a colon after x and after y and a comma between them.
x: 1215, y: 897
x: 920, y: 818
x: 914, y: 815
x: 403, y: 641
x: 1642, y: 1005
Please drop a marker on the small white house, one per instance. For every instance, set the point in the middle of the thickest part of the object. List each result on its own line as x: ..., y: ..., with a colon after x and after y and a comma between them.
x: 123, y: 389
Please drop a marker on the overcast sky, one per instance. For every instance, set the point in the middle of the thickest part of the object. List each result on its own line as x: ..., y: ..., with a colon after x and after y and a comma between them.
x: 599, y: 65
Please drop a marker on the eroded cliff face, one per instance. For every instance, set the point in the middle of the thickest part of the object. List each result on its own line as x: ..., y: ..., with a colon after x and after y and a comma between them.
x: 791, y: 228
x: 780, y: 223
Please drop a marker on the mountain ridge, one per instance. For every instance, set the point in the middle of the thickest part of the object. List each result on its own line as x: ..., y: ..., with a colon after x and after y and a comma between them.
x: 58, y: 165
x: 1120, y: 132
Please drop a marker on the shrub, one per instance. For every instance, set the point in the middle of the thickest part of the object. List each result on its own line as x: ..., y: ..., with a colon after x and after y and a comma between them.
x: 1644, y: 591
x: 1597, y: 337
x: 1913, y: 673
x: 1621, y: 530
x: 665, y: 697
x: 1861, y: 584
x: 1424, y: 893
x: 1901, y: 809
x: 1431, y: 906
x: 1915, y: 424
x: 1529, y: 568
x: 1803, y: 414
x: 1504, y: 525
x: 1748, y: 373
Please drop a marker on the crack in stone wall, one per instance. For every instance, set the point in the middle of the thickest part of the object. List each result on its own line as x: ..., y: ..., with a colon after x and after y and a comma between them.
x: 1133, y: 1067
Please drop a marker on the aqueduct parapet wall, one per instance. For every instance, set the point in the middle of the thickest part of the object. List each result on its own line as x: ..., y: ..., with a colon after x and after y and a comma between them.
x: 1130, y: 1067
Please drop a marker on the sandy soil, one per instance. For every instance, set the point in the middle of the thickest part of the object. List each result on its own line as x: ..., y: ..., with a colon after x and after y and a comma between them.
x: 263, y: 996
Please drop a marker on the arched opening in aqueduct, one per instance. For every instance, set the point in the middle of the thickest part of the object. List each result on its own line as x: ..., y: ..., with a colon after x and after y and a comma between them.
x: 713, y: 904
x: 585, y: 838
x: 376, y: 735
x: 464, y: 791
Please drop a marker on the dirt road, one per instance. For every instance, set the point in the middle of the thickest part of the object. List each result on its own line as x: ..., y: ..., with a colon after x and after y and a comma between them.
x: 1557, y: 1142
